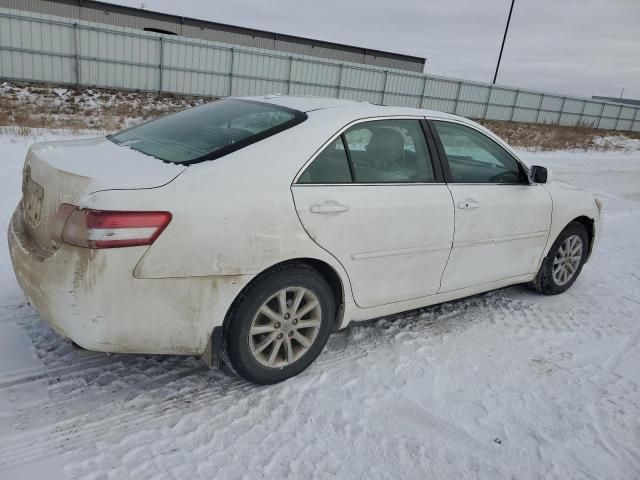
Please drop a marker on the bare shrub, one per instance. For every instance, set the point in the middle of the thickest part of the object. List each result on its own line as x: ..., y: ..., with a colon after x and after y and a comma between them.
x: 23, y: 131
x: 24, y: 118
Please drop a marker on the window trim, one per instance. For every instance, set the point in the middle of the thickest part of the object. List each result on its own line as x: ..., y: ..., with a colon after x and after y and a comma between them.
x: 298, y: 118
x: 431, y: 148
x: 347, y: 153
x: 445, y: 162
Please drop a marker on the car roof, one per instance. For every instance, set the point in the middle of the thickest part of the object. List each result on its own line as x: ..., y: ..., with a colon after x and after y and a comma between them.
x: 353, y: 107
x: 342, y: 110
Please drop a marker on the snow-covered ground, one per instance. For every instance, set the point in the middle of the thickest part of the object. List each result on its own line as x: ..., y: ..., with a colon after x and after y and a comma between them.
x: 505, y: 385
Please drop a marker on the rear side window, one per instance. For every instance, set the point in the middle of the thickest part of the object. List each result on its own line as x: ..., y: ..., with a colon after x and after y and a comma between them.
x: 389, y: 151
x: 208, y: 132
x: 330, y: 166
x: 379, y: 151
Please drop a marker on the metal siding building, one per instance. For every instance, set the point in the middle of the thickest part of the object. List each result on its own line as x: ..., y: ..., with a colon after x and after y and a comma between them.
x: 121, y: 16
x: 58, y: 50
x: 627, y: 101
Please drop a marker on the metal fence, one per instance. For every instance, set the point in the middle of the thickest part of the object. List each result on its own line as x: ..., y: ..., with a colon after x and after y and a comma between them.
x: 36, y: 47
x: 135, y: 18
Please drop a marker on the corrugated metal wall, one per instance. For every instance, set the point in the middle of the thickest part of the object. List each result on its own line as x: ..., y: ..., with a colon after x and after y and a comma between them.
x: 37, y: 47
x: 121, y: 16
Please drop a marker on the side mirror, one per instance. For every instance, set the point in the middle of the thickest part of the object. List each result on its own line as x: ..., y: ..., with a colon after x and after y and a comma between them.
x: 538, y: 174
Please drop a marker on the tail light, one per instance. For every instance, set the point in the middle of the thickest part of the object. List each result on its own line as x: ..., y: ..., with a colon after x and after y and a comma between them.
x: 109, y: 228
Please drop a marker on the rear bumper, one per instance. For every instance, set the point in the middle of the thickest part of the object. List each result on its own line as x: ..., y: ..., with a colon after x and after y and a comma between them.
x: 92, y: 297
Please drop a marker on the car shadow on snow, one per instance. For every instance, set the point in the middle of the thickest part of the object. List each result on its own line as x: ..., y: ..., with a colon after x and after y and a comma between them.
x: 68, y: 369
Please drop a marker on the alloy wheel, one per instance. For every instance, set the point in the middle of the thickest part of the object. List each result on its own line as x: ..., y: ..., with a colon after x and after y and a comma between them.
x: 285, y: 327
x: 567, y: 260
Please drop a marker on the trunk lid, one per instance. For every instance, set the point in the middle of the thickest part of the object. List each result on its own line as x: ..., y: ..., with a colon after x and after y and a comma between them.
x: 64, y: 172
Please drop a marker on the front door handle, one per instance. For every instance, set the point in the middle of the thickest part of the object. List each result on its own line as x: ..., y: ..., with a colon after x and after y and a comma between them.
x: 329, y: 207
x: 468, y: 204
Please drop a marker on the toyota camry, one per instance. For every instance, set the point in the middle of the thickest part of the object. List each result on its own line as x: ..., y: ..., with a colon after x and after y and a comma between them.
x: 246, y: 230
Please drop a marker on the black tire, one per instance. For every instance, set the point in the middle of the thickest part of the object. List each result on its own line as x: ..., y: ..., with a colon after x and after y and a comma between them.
x: 544, y: 281
x: 240, y: 317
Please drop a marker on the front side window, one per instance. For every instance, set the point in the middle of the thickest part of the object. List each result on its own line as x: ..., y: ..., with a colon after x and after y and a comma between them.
x: 209, y: 131
x: 475, y: 158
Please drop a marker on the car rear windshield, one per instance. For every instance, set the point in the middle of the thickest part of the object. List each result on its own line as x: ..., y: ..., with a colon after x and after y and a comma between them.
x: 209, y: 131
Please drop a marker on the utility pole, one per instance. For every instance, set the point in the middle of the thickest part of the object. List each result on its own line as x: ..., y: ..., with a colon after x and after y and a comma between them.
x: 506, y: 29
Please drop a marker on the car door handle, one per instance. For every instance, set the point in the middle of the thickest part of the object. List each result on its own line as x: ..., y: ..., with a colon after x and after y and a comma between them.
x: 329, y: 207
x: 468, y: 204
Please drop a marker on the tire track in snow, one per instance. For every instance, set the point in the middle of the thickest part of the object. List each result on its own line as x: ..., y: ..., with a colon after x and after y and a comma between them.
x: 72, y: 433
x: 614, y: 360
x: 94, y: 364
x: 95, y: 361
x: 609, y: 368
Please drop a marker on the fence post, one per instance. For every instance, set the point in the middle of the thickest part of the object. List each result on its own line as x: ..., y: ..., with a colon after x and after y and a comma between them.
x: 486, y: 107
x: 231, y: 71
x: 513, y: 107
x: 289, y: 75
x: 618, y: 119
x: 339, y: 81
x: 601, y: 114
x: 424, y: 92
x: 76, y: 52
x: 584, y: 106
x: 161, y: 64
x: 384, y: 86
x: 540, y: 108
x: 635, y: 119
x: 564, y: 100
x: 455, y: 104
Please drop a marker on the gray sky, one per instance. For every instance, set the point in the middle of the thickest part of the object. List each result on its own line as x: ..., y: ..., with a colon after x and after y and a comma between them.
x: 577, y: 47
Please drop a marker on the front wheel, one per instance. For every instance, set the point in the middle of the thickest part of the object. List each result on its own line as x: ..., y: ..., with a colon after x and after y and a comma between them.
x: 564, y: 262
x: 280, y: 324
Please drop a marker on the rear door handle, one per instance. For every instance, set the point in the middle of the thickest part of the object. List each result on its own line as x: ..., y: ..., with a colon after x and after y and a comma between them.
x: 469, y: 203
x: 329, y: 207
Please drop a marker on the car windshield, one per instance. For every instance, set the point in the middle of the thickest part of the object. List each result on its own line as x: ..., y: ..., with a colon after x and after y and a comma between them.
x: 209, y: 131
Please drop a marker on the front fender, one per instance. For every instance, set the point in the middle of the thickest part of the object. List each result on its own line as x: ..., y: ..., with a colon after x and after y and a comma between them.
x: 570, y: 203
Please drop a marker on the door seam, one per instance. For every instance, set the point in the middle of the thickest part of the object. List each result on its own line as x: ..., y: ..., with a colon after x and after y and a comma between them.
x: 295, y: 207
x: 453, y: 206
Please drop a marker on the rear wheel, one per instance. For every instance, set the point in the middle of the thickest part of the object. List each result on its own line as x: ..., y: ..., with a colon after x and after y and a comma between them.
x: 564, y: 262
x: 280, y: 324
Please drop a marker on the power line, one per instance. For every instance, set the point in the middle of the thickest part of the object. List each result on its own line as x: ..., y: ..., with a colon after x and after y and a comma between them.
x: 506, y: 29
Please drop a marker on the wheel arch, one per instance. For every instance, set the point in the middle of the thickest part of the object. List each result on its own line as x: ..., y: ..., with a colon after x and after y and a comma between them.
x: 329, y: 273
x: 590, y: 227
x: 215, y: 353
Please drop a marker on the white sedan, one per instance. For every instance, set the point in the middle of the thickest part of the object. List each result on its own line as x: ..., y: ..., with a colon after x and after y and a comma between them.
x: 246, y: 230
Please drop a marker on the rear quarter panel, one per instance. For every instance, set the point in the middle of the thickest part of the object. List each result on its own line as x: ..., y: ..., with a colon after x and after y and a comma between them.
x: 235, y: 215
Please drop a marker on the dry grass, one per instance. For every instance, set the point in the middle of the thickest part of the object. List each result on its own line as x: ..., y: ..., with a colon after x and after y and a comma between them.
x: 554, y: 137
x: 26, y: 106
